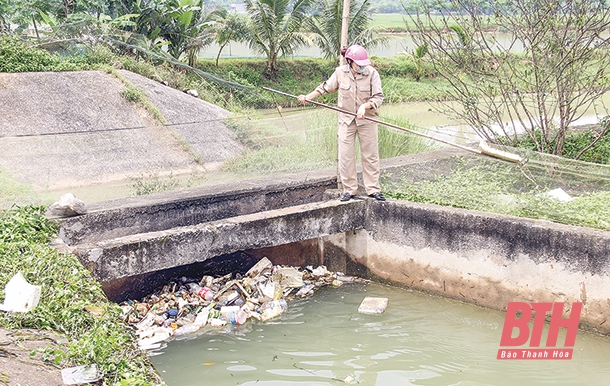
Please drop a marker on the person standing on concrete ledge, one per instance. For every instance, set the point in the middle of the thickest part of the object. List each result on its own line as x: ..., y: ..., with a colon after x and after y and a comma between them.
x: 359, y: 87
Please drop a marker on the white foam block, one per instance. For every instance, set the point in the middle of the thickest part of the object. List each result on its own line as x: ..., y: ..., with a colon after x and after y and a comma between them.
x: 20, y: 296
x: 371, y: 305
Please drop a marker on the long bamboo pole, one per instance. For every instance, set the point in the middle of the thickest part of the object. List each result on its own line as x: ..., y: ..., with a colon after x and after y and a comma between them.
x: 484, y: 149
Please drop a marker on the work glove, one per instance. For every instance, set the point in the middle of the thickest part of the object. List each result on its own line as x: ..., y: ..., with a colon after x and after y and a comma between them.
x: 304, y: 98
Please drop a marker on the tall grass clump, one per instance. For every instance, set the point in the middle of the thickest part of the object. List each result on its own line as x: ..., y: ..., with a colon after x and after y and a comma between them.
x: 394, y: 142
x: 275, y: 149
x: 72, y: 303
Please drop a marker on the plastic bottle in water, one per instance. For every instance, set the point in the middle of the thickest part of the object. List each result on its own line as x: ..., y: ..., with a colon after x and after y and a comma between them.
x: 238, y: 317
x: 187, y: 329
x: 202, y: 317
x: 233, y: 314
x: 203, y: 292
x: 273, y: 309
x: 278, y: 303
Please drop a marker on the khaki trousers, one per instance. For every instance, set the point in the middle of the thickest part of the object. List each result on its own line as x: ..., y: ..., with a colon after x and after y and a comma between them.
x: 368, y: 137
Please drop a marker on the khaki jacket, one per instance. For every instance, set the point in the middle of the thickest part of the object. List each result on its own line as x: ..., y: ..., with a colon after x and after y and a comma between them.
x: 354, y: 91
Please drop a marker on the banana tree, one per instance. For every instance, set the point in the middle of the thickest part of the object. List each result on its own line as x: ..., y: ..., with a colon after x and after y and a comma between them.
x: 180, y: 23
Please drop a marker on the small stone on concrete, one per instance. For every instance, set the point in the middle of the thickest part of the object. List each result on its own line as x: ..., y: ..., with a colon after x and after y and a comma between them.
x: 67, y: 206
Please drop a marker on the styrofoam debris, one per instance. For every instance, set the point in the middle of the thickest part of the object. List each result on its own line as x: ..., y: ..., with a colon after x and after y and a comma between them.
x: 560, y: 195
x: 20, y: 296
x: 262, y: 266
x: 371, y: 305
x: 289, y: 277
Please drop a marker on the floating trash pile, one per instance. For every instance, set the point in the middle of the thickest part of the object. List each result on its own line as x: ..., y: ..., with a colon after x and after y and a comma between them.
x: 186, y: 305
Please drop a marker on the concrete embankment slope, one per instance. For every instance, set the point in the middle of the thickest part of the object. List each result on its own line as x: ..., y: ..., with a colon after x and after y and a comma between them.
x: 70, y: 129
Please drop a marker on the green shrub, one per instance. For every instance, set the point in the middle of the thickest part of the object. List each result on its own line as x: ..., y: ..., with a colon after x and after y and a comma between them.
x: 17, y: 56
x: 68, y: 300
x: 575, y: 142
x: 578, y: 140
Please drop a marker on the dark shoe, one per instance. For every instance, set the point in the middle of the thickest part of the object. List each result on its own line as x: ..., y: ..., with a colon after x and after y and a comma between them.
x: 377, y: 196
x: 346, y: 196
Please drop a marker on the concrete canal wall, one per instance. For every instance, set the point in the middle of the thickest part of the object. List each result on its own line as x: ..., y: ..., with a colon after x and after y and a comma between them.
x: 482, y: 258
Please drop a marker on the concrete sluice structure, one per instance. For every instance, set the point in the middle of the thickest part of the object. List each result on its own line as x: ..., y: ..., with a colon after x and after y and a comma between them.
x: 133, y: 245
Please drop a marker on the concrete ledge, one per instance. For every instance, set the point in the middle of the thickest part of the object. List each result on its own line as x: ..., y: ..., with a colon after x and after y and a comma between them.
x: 162, y: 211
x: 154, y: 251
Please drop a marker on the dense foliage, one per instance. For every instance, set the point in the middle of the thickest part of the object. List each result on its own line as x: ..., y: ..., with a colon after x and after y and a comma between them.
x: 577, y: 145
x: 72, y: 303
x: 17, y: 56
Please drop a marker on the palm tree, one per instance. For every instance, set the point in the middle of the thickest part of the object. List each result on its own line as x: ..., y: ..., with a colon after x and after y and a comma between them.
x: 228, y: 27
x: 326, y: 25
x: 418, y: 61
x: 275, y: 28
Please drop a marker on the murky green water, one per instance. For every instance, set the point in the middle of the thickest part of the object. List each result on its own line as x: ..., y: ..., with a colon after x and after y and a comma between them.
x: 419, y: 340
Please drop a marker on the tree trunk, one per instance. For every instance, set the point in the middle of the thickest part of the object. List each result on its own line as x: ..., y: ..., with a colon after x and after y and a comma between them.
x: 219, y: 51
x: 344, y: 28
x: 35, y: 28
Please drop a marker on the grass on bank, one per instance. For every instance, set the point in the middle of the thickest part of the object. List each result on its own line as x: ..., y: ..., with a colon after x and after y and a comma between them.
x: 96, y: 336
x: 402, y: 22
x: 14, y: 192
x: 501, y: 187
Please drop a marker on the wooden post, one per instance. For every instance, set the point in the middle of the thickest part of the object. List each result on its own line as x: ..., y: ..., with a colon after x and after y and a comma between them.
x: 344, y: 25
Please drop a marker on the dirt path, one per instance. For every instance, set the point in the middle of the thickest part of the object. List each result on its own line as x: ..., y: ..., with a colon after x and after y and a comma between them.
x: 19, y: 368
